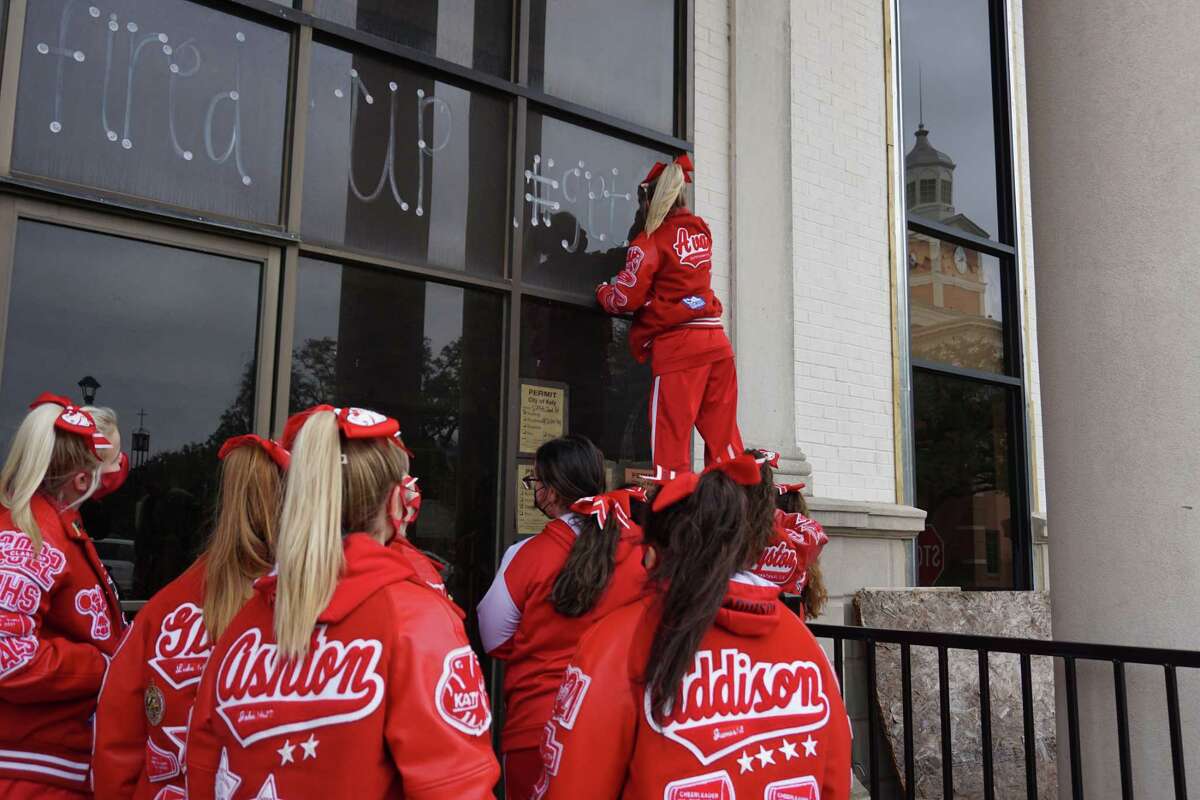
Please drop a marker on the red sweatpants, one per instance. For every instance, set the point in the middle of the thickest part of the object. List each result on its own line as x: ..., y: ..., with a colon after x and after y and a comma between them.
x: 28, y: 790
x: 522, y: 770
x: 704, y: 398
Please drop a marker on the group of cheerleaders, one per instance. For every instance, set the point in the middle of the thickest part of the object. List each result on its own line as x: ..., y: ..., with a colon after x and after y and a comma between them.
x: 312, y: 651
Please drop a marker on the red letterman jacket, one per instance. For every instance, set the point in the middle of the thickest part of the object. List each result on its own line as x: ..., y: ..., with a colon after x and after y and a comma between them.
x: 518, y: 623
x: 667, y: 286
x: 759, y: 714
x: 389, y: 702
x: 60, y: 619
x: 141, y: 722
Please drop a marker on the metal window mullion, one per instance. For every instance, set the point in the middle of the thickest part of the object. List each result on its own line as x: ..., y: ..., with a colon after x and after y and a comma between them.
x: 436, y: 274
x: 298, y: 130
x: 14, y: 32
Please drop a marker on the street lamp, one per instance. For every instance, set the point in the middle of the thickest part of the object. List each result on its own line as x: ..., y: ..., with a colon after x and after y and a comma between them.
x: 88, y: 385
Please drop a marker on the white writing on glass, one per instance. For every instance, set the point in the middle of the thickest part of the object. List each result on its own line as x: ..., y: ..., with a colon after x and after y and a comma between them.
x: 176, y: 62
x: 593, y: 194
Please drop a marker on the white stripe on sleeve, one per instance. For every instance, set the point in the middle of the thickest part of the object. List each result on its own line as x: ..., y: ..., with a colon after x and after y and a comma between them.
x: 499, y: 616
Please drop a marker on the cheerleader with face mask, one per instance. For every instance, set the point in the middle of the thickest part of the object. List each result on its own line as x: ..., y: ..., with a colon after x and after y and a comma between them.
x: 60, y: 619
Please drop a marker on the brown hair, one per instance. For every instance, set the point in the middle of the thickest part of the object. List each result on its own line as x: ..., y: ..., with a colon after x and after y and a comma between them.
x: 574, y: 468
x: 701, y: 542
x: 243, y: 539
x: 324, y: 500
x: 41, y: 457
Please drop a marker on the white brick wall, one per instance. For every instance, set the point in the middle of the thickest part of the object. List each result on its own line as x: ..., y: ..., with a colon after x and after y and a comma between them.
x: 712, y: 126
x: 842, y: 284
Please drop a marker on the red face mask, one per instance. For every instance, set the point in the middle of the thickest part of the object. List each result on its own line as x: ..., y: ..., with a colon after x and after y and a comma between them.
x: 111, y: 481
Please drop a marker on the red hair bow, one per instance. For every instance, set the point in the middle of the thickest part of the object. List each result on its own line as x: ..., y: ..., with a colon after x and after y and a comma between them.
x: 768, y: 457
x: 790, y: 488
x: 77, y: 421
x: 683, y: 160
x: 278, y: 454
x: 807, y: 535
x: 410, y: 500
x: 742, y: 470
x: 354, y: 423
x: 614, y: 502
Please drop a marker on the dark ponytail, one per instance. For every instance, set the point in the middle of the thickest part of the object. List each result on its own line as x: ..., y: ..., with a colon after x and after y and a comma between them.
x: 760, y: 511
x: 814, y: 595
x: 574, y: 468
x: 701, y: 542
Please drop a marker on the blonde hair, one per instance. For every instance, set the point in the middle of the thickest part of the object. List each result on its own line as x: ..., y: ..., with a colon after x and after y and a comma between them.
x: 106, y: 422
x: 41, y: 457
x: 668, y: 193
x: 244, y: 537
x: 324, y: 499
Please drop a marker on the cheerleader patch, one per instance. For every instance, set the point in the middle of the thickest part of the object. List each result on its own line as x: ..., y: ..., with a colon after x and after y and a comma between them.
x: 461, y: 697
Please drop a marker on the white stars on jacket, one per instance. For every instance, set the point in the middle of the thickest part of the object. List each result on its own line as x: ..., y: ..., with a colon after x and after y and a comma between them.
x: 766, y: 755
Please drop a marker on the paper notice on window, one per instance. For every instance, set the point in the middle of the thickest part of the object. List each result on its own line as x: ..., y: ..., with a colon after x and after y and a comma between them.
x: 543, y: 415
x: 529, y: 519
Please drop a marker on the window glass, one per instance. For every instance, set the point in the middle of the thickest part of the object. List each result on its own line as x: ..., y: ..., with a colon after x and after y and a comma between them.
x: 948, y: 121
x: 161, y: 99
x: 430, y: 356
x: 170, y: 336
x: 964, y: 454
x: 617, y: 56
x: 608, y: 393
x: 956, y: 306
x: 580, y: 201
x: 474, y: 33
x: 403, y: 165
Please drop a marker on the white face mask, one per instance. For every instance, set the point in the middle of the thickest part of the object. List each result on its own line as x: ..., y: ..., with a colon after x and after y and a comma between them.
x: 83, y: 498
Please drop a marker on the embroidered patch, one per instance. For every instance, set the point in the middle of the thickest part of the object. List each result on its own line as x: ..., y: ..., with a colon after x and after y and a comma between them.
x: 92, y: 603
x: 161, y: 765
x: 260, y: 695
x: 570, y: 696
x: 693, y: 249
x: 171, y: 793
x: 805, y: 788
x: 713, y: 786
x: 730, y: 700
x: 16, y: 652
x: 182, y: 647
x: 694, y: 303
x: 17, y: 555
x: 461, y: 696
x: 155, y: 703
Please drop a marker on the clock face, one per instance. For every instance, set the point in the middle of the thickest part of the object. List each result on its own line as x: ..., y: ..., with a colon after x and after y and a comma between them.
x: 960, y: 260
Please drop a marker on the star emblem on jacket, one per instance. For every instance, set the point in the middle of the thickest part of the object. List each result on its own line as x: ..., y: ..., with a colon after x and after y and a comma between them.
x: 268, y: 791
x: 227, y: 781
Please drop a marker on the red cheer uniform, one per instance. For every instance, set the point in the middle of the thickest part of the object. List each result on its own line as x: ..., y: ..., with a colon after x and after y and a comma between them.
x: 60, y: 620
x: 141, y: 723
x: 667, y: 286
x: 758, y: 716
x: 389, y: 701
x: 519, y: 625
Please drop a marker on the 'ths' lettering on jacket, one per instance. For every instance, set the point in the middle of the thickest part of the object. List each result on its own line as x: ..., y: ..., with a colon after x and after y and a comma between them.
x: 389, y: 702
x: 60, y: 619
x: 667, y: 286
x: 758, y: 715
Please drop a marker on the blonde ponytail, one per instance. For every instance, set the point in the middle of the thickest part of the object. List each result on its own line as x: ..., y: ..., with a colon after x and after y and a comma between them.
x: 25, y: 468
x: 309, y: 550
x: 667, y: 191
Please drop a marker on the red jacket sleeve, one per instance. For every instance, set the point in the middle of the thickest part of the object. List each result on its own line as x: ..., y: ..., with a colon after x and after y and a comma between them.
x: 589, y: 740
x: 438, y: 717
x: 202, y: 752
x: 628, y: 292
x: 120, y: 733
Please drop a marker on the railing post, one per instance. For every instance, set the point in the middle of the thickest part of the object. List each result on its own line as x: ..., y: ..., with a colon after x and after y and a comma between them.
x: 1177, y: 764
x: 1031, y: 785
x: 1123, y: 730
x: 910, y: 789
x: 944, y: 703
x: 872, y: 722
x: 1073, y: 728
x: 985, y: 725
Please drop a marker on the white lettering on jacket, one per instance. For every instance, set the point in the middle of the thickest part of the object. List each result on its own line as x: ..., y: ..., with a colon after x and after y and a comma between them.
x: 182, y: 647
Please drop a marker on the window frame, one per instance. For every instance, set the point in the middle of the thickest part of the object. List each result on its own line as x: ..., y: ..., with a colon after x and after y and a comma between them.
x: 1005, y: 249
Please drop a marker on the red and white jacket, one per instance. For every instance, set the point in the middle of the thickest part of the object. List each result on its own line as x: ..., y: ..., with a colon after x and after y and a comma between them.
x: 60, y: 620
x: 797, y: 542
x: 390, y: 701
x: 518, y: 623
x: 667, y: 286
x: 141, y: 723
x: 759, y: 716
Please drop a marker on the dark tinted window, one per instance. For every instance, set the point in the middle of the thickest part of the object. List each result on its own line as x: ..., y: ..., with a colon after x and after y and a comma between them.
x: 617, y: 56
x: 404, y: 166
x: 162, y: 99
x: 167, y: 331
x: 580, y: 201
x: 948, y: 120
x: 608, y: 393
x: 429, y: 355
x: 473, y: 33
x: 964, y: 441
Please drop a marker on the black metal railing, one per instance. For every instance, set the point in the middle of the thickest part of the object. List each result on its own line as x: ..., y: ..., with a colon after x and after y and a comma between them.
x: 1069, y: 653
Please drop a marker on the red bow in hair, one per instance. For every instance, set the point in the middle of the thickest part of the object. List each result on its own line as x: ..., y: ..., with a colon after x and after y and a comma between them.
x: 77, y: 421
x: 790, y: 488
x: 742, y: 470
x: 354, y: 423
x: 614, y: 502
x: 768, y: 457
x: 280, y: 456
x: 683, y: 160
x: 807, y: 535
x: 399, y: 442
x: 410, y: 500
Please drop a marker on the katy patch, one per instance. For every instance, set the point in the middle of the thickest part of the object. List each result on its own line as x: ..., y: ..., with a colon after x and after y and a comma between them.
x: 570, y: 696
x: 461, y: 697
x: 730, y: 700
x: 713, y: 786
x: 182, y: 647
